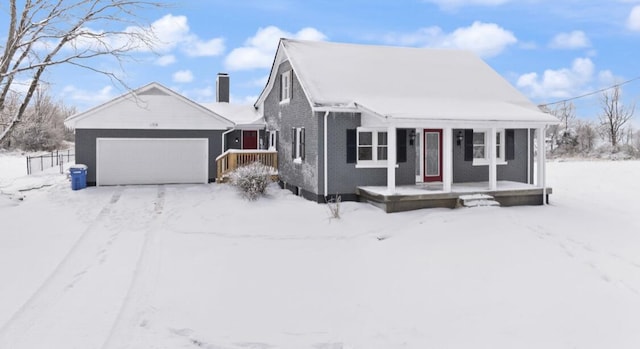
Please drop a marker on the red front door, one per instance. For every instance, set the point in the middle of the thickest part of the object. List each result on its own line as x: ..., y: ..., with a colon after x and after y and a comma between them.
x: 432, y: 155
x: 249, y: 139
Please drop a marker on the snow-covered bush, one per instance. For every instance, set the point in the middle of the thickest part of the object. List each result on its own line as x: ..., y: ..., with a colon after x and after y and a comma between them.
x: 252, y: 179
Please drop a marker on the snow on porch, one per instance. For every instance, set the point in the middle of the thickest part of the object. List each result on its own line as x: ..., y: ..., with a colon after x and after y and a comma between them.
x: 437, y: 188
x: 431, y: 195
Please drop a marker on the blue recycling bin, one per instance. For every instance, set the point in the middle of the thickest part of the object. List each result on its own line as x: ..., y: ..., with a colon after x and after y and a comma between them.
x: 78, y: 176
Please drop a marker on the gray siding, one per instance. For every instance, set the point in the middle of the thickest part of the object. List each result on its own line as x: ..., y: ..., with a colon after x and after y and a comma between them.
x: 282, y: 117
x: 345, y: 177
x: 86, y: 144
x: 515, y: 170
x: 233, y: 140
x: 309, y: 176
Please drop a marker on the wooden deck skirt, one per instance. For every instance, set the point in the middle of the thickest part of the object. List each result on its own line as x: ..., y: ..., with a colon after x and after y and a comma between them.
x: 414, y: 200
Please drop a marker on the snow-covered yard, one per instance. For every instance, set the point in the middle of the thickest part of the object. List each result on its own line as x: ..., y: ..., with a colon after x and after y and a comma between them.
x: 197, y: 266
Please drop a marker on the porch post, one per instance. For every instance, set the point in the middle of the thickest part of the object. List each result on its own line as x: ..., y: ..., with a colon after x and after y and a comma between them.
x: 541, y: 155
x: 493, y: 165
x: 447, y: 161
x: 391, y: 159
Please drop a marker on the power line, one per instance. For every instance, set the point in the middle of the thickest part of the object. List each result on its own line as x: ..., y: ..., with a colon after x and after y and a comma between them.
x: 590, y: 93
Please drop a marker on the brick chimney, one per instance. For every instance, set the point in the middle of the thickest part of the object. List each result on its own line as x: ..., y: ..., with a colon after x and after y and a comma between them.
x: 222, y: 88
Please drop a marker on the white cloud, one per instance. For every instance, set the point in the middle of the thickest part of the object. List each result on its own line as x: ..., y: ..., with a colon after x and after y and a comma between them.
x: 198, y: 48
x: 569, y: 41
x: 560, y: 83
x: 165, y: 60
x: 258, y: 50
x: 183, y: 76
x: 486, y: 39
x: 453, y: 4
x: 170, y: 30
x: 86, y: 97
x: 173, y: 31
x: 169, y: 33
x: 633, y: 22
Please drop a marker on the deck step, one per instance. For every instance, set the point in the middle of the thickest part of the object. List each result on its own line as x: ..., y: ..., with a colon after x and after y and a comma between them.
x: 477, y: 200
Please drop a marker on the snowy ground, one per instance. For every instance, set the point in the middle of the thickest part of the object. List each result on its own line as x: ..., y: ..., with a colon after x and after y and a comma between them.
x: 196, y: 266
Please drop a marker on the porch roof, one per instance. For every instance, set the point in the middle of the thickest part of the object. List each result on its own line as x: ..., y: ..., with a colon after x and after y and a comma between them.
x: 449, y: 110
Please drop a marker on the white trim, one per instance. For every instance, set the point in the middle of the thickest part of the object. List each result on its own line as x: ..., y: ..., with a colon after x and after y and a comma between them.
x: 298, y: 146
x: 285, y: 89
x: 540, y: 156
x: 447, y: 161
x: 528, y: 156
x: 326, y: 159
x: 493, y: 170
x: 391, y: 159
x: 374, y: 162
x: 488, y: 152
x: 420, y: 155
x: 273, y: 140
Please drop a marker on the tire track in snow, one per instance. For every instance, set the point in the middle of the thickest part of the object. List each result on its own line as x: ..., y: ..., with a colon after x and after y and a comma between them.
x: 77, y: 305
x: 128, y: 319
x: 65, y: 261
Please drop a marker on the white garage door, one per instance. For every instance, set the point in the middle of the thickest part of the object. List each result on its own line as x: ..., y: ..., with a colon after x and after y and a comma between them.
x: 151, y: 160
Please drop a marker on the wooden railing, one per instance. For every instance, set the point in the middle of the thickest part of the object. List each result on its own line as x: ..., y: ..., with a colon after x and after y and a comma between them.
x: 234, y: 158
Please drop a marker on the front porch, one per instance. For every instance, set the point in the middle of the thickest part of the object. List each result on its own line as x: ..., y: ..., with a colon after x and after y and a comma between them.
x: 432, y: 195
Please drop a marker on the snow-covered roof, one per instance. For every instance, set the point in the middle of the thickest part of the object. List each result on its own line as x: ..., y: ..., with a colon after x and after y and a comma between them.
x: 240, y: 114
x: 150, y: 107
x: 400, y: 82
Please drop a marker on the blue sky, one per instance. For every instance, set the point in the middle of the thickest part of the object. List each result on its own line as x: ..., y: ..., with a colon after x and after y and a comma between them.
x: 549, y: 50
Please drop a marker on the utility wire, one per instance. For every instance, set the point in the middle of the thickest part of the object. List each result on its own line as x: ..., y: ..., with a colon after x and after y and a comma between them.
x: 590, y: 93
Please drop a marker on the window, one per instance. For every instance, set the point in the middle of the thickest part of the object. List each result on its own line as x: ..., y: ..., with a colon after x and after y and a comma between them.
x: 479, y: 145
x: 272, y: 140
x: 372, y: 147
x: 285, y: 86
x: 297, y: 144
x: 480, y: 153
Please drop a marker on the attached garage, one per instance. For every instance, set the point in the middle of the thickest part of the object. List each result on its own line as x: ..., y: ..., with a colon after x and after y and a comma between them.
x: 151, y: 160
x: 149, y: 136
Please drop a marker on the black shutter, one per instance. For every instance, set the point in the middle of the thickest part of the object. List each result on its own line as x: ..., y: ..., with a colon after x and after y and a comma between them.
x: 510, y: 153
x: 280, y: 88
x: 302, y: 147
x: 293, y: 142
x: 401, y: 145
x: 352, y: 147
x: 468, y: 145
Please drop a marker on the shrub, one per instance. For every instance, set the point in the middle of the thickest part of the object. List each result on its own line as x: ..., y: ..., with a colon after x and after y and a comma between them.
x: 333, y: 203
x: 252, y: 179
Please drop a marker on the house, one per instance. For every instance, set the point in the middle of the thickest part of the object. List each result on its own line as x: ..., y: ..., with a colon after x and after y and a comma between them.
x: 403, y: 128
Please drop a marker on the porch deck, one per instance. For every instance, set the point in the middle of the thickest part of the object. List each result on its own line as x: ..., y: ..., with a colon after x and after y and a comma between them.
x: 431, y: 195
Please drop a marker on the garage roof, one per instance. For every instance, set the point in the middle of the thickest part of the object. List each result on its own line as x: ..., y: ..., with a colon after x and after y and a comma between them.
x: 153, y: 106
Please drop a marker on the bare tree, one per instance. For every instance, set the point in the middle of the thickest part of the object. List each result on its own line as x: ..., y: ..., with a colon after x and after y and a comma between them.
x: 46, y: 33
x: 566, y: 113
x: 586, y: 136
x: 614, y: 115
